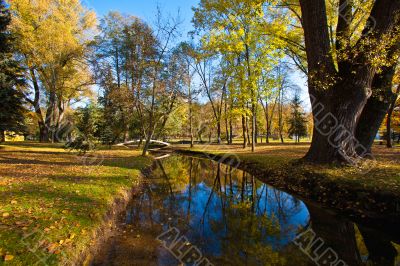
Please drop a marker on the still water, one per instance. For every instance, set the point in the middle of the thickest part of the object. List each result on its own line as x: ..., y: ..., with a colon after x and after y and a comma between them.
x: 224, y: 216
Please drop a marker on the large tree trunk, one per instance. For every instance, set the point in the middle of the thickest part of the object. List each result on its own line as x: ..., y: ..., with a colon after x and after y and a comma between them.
x: 339, y: 96
x: 375, y: 110
x: 43, y: 132
x: 335, y: 123
x: 61, y: 128
x: 50, y: 114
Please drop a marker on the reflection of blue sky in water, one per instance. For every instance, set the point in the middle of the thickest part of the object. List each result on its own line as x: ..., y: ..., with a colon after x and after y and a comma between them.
x: 211, y: 230
x: 202, y: 233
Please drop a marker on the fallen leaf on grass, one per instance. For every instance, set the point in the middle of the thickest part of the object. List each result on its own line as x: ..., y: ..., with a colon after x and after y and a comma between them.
x: 6, y: 214
x: 52, y: 247
x: 8, y: 257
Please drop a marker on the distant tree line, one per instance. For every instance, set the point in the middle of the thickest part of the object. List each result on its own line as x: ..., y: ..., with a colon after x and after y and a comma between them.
x: 67, y: 75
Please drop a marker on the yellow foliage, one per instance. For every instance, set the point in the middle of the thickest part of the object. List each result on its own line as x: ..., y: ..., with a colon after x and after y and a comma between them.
x: 53, y: 36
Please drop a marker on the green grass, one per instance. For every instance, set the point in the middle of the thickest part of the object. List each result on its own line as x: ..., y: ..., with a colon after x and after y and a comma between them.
x: 52, y: 201
x: 283, y: 158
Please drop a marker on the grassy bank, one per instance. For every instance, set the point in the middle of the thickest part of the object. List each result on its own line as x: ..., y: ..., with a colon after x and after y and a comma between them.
x: 376, y: 187
x: 383, y: 175
x: 53, y: 201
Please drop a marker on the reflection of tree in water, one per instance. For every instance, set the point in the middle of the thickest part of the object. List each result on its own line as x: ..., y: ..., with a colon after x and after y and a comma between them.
x: 354, y: 244
x: 249, y: 224
x: 246, y: 222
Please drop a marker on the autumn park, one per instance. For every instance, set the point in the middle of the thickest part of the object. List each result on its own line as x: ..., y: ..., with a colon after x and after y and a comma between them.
x: 200, y: 132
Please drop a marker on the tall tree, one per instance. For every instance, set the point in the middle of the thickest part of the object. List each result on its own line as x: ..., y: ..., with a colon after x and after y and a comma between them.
x: 188, y: 55
x: 340, y: 79
x: 243, y: 33
x: 124, y: 50
x: 12, y: 104
x: 161, y: 94
x: 53, y: 39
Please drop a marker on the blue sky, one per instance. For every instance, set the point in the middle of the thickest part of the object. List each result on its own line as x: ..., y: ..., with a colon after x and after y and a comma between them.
x: 146, y: 9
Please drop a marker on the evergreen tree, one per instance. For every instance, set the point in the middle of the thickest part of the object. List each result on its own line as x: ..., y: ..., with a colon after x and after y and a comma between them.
x: 297, y: 122
x: 11, y: 106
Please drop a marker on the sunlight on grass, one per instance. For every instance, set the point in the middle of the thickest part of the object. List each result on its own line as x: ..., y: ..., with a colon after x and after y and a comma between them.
x: 283, y: 158
x: 51, y: 203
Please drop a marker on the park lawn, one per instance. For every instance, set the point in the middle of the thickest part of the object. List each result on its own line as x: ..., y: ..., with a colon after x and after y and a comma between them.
x: 53, y: 201
x: 384, y: 175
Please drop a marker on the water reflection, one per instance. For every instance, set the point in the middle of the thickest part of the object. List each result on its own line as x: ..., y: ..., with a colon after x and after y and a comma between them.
x: 233, y: 218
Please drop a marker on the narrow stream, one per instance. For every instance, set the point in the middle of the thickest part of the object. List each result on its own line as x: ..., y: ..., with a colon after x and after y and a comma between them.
x: 230, y: 218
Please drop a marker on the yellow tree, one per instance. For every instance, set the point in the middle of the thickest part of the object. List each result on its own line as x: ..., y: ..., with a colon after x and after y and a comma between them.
x: 244, y: 34
x: 351, y: 50
x: 53, y: 39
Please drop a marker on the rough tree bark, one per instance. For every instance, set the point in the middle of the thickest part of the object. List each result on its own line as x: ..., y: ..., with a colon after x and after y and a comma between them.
x: 376, y: 108
x: 43, y: 130
x: 50, y: 114
x: 339, y: 96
